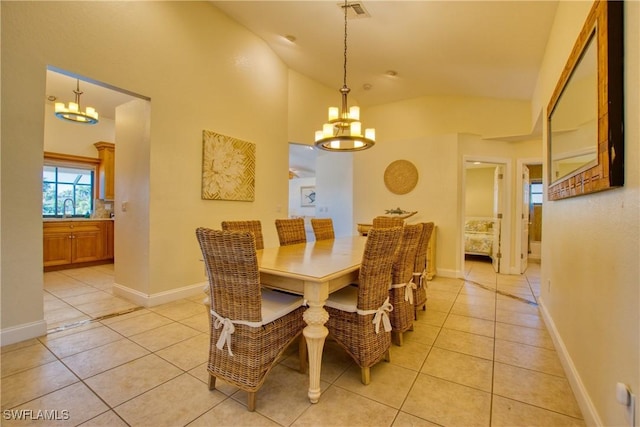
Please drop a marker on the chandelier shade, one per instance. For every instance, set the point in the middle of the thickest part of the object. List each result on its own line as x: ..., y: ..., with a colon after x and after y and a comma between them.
x: 343, y: 130
x: 73, y: 112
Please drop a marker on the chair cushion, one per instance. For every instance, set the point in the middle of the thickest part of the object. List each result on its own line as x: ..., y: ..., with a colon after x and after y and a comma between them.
x: 277, y: 304
x: 346, y: 299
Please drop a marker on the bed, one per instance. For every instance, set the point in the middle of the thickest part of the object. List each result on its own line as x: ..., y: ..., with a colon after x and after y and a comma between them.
x: 479, y: 236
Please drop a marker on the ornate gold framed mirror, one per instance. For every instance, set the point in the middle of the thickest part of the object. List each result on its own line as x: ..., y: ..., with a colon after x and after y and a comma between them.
x: 585, y: 139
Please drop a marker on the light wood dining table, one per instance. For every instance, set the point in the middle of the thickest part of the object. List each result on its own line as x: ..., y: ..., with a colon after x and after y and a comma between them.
x: 313, y: 269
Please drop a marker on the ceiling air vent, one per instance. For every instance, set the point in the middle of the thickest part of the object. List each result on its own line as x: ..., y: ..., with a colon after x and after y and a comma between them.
x: 355, y: 10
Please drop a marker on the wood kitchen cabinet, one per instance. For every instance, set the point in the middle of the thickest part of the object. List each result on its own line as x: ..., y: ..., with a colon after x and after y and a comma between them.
x: 109, y: 239
x: 68, y: 244
x: 106, y: 170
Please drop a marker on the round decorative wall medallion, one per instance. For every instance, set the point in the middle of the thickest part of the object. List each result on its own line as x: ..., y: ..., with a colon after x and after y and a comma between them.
x: 401, y: 177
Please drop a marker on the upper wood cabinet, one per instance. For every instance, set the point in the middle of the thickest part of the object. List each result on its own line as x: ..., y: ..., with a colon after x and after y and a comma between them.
x: 106, y: 181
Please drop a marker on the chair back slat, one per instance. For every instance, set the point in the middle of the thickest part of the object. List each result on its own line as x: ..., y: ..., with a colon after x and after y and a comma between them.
x: 420, y: 263
x: 291, y: 231
x: 323, y: 228
x: 406, y: 255
x: 377, y: 263
x: 232, y: 267
x: 387, y: 221
x: 402, y: 315
x: 250, y: 225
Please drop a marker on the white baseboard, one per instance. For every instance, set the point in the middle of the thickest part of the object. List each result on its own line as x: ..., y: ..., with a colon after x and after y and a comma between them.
x: 153, y: 300
x: 589, y: 412
x: 23, y: 332
x: 443, y: 272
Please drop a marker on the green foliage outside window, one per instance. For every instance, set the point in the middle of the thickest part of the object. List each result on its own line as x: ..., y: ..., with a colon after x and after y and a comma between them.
x: 61, y: 183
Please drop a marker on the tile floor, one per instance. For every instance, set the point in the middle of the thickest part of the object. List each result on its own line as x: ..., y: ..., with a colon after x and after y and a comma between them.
x: 480, y: 355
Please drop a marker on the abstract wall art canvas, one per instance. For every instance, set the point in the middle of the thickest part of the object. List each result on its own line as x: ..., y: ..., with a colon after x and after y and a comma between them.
x: 228, y: 168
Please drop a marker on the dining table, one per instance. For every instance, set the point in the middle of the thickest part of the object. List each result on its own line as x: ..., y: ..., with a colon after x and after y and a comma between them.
x: 313, y: 269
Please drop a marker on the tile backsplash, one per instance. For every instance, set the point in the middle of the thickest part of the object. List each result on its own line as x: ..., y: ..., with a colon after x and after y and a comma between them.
x: 102, y: 208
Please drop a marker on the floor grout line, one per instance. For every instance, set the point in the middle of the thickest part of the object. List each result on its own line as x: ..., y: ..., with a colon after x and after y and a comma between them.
x: 92, y: 320
x: 459, y: 292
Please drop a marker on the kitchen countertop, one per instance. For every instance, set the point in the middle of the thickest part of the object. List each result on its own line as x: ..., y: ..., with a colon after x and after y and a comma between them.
x: 75, y: 219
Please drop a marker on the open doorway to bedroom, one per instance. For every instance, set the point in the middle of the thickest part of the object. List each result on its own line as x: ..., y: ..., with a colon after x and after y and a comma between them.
x: 485, y: 226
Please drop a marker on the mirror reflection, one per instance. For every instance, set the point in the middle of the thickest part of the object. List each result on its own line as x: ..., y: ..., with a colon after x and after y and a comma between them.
x: 574, y: 120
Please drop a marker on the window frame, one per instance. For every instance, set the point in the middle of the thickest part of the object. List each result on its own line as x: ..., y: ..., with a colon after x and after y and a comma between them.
x: 72, y: 161
x: 541, y: 192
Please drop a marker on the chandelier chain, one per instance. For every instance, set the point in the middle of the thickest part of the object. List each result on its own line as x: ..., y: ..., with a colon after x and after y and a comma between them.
x: 78, y: 92
x: 346, y: 6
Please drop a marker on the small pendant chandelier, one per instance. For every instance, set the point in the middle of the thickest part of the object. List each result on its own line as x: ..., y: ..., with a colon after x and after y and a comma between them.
x: 74, y: 113
x: 343, y: 131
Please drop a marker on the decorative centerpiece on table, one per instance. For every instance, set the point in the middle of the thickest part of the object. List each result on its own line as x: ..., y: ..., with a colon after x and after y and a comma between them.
x: 397, y: 212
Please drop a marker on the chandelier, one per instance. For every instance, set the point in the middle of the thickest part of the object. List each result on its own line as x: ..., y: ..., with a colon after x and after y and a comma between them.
x: 343, y: 131
x: 73, y: 112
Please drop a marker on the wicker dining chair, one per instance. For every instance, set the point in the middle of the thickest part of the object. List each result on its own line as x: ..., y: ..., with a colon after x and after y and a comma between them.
x: 358, y: 315
x: 251, y: 225
x: 323, y: 228
x: 387, y: 221
x: 291, y: 231
x: 401, y: 291
x: 420, y: 269
x: 250, y: 327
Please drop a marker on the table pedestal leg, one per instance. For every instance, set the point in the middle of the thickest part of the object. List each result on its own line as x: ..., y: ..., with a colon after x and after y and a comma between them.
x: 315, y: 332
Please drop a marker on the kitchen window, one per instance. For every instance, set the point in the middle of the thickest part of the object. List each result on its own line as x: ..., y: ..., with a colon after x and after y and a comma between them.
x: 67, y: 188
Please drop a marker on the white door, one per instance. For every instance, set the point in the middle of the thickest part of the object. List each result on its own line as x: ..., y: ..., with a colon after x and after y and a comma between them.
x: 524, y: 227
x: 498, y: 196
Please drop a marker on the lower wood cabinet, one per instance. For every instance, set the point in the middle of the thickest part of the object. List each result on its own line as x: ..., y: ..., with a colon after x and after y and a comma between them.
x: 109, y: 236
x: 68, y: 244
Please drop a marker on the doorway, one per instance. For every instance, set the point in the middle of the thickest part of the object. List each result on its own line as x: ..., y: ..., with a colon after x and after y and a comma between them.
x: 485, y: 215
x: 67, y: 290
x: 302, y: 184
x: 529, y: 210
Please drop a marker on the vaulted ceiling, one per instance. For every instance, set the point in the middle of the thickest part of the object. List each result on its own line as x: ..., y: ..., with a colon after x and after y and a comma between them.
x: 405, y: 49
x: 465, y: 48
x: 397, y: 50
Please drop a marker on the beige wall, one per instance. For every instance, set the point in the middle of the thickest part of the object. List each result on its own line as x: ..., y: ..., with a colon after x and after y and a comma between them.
x: 206, y: 73
x: 132, y: 205
x: 441, y: 115
x: 590, y: 275
x: 308, y: 107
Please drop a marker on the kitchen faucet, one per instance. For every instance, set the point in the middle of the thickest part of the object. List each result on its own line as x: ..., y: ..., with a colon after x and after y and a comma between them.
x: 64, y: 208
